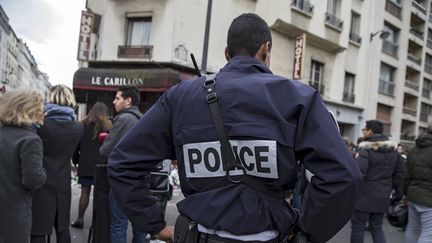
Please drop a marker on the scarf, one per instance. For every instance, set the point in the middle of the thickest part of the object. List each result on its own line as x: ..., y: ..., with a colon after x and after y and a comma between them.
x: 59, y: 113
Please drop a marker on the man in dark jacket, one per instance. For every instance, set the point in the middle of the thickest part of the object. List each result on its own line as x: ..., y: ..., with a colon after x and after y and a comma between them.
x: 271, y: 123
x: 383, y: 170
x: 418, y: 186
x: 126, y: 105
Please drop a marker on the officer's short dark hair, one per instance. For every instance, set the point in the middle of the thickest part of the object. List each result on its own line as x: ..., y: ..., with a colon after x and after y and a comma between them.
x: 375, y: 125
x: 132, y: 92
x: 246, y: 34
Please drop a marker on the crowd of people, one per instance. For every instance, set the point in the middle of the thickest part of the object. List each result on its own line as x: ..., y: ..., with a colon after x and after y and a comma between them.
x: 272, y: 144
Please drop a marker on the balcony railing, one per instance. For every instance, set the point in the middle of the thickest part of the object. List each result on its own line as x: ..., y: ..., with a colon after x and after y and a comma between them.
x: 426, y: 93
x: 355, y: 37
x: 428, y: 68
x: 393, y: 8
x: 429, y: 42
x: 348, y: 97
x: 318, y: 86
x: 419, y: 7
x: 303, y: 5
x: 414, y: 59
x: 409, y: 111
x: 386, y: 87
x: 333, y: 20
x: 390, y: 48
x: 143, y: 52
x: 424, y: 117
x: 416, y: 32
x: 412, y: 84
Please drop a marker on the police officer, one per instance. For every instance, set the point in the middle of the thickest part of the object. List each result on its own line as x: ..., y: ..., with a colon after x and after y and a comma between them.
x: 271, y: 122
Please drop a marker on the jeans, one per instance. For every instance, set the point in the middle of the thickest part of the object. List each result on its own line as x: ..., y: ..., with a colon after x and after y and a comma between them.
x: 419, y: 228
x: 119, y: 224
x: 358, y: 223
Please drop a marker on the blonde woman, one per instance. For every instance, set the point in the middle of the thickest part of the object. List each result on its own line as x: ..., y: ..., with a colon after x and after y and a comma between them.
x: 60, y: 135
x: 20, y: 162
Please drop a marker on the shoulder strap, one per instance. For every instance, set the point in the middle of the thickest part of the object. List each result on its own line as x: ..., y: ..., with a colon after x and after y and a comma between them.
x: 133, y: 113
x: 228, y: 158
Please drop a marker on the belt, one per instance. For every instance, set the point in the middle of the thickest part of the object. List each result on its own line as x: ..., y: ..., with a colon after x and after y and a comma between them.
x: 213, y: 238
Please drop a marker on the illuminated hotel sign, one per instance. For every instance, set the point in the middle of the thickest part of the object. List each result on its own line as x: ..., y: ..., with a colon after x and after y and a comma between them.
x: 299, y: 51
x: 84, y: 36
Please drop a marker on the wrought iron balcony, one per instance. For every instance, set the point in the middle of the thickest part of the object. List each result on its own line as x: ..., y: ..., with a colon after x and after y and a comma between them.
x: 409, y: 111
x: 355, y: 37
x: 333, y: 20
x: 414, y: 58
x: 407, y: 137
x: 417, y: 33
x: 318, y: 86
x: 303, y: 5
x: 412, y: 84
x: 386, y: 87
x: 390, y: 48
x: 142, y: 52
x: 348, y: 97
x: 419, y: 7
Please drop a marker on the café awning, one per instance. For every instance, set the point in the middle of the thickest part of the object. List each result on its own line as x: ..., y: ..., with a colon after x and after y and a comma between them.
x: 150, y: 79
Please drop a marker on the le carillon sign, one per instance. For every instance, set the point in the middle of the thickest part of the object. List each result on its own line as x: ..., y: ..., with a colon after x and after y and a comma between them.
x: 156, y: 79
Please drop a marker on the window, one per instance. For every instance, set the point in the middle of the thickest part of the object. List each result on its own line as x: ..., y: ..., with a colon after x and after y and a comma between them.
x: 316, y: 76
x: 427, y: 88
x: 332, y: 6
x: 355, y: 27
x: 390, y: 44
x: 348, y: 94
x: 331, y: 16
x: 424, y: 112
x: 428, y: 64
x: 138, y: 31
x: 384, y: 115
x: 386, y: 82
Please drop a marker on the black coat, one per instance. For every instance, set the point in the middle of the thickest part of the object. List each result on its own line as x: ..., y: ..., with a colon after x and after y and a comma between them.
x: 418, y: 182
x: 383, y: 169
x: 54, y: 198
x: 87, y: 152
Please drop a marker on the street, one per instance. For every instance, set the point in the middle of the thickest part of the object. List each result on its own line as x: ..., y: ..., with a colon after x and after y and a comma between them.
x: 393, y: 235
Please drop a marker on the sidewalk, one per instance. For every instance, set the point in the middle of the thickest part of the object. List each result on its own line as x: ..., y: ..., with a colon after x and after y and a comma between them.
x: 393, y: 235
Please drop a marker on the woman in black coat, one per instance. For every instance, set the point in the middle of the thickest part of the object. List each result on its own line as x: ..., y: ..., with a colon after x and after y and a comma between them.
x: 20, y: 162
x: 60, y: 135
x: 87, y: 154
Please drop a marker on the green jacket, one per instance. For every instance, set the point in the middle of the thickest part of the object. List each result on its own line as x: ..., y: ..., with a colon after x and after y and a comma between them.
x: 418, y: 182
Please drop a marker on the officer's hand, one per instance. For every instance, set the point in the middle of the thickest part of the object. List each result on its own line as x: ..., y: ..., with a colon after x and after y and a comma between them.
x: 166, y: 234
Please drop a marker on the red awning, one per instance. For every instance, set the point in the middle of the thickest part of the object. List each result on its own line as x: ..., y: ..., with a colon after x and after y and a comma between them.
x: 150, y: 80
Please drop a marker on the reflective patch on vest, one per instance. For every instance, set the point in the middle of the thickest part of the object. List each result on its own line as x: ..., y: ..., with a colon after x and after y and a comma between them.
x: 257, y: 156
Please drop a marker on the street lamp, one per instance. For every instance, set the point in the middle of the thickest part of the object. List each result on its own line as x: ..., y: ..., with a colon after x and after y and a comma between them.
x: 384, y: 34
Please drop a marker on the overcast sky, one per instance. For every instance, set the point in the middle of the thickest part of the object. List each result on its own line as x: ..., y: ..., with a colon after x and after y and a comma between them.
x: 51, y: 30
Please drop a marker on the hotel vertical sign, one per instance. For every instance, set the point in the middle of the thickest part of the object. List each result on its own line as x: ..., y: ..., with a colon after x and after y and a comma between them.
x: 84, y: 36
x: 299, y: 54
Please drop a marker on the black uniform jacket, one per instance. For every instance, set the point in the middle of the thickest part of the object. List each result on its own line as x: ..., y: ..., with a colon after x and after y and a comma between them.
x: 272, y: 123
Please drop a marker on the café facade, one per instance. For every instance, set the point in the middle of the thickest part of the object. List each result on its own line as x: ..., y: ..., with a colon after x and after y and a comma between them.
x: 100, y: 81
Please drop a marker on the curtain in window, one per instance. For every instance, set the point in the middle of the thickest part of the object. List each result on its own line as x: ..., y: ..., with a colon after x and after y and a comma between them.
x: 139, y: 32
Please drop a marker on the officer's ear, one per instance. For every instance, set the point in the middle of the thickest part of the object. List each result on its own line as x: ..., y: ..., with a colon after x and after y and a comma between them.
x: 227, y: 56
x: 264, y: 53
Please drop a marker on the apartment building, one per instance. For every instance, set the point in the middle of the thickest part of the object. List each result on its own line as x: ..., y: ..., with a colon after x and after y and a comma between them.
x: 18, y: 68
x: 368, y: 59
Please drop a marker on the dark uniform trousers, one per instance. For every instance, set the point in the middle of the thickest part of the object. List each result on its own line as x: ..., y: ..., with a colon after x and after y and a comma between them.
x: 101, y: 212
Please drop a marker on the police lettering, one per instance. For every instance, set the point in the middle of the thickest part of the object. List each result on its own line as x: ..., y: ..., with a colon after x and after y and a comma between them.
x: 258, y: 157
